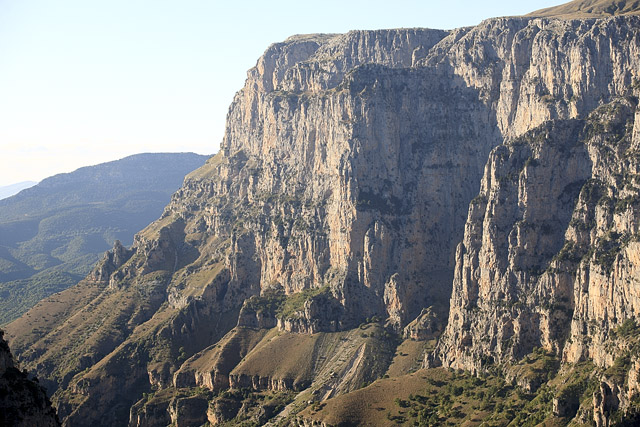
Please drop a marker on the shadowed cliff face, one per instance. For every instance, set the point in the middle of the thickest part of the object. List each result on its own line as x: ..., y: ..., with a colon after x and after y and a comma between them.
x: 339, y: 195
x: 22, y: 401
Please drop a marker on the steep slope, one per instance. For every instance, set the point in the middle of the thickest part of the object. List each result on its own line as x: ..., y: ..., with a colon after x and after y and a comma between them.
x: 22, y: 401
x: 590, y: 9
x: 328, y: 223
x: 53, y: 233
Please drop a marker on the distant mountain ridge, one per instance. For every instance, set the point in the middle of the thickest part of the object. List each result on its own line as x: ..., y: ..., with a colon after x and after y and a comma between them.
x: 99, y: 183
x: 590, y: 9
x: 52, y: 233
x: 12, y: 189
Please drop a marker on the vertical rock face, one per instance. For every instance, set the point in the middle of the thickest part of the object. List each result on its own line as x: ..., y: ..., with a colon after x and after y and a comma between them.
x: 347, y: 177
x: 546, y: 241
x: 607, y: 283
x: 111, y: 262
x: 547, y: 258
x: 23, y: 403
x: 534, y: 70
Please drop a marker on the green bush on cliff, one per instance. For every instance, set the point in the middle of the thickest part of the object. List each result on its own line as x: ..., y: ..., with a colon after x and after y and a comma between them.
x: 269, y: 303
x: 295, y: 302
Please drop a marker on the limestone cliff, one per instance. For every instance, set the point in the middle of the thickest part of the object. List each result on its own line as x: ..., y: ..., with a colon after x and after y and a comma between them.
x: 549, y: 257
x: 544, y: 218
x: 327, y: 174
x: 349, y: 166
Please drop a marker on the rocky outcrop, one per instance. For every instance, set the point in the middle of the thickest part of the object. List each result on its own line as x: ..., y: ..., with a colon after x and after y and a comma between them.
x: 23, y: 402
x: 112, y: 261
x: 223, y: 410
x: 188, y: 411
x: 379, y: 229
x: 149, y: 414
x: 605, y: 402
x: 426, y: 326
x: 318, y: 313
x: 250, y: 317
x: 211, y: 367
x: 337, y: 217
x: 168, y: 407
x: 255, y: 382
x: 515, y: 227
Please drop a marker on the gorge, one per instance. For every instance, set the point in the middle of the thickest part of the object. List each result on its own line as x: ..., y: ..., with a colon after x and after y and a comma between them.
x: 394, y: 216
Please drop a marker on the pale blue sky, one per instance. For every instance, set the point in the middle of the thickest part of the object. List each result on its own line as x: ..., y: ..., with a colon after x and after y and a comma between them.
x: 86, y: 81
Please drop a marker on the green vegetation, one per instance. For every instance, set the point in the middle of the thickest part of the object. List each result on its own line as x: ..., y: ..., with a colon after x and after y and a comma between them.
x: 295, y: 302
x: 277, y: 304
x: 439, y: 397
x: 620, y: 368
x: 17, y: 296
x: 629, y: 418
x: 569, y: 252
x: 258, y: 407
x: 607, y: 249
x: 238, y: 407
x: 575, y: 387
x: 630, y: 201
x: 628, y: 329
x: 270, y: 303
x: 592, y: 191
x: 444, y: 398
x: 537, y: 367
x: 601, y: 124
